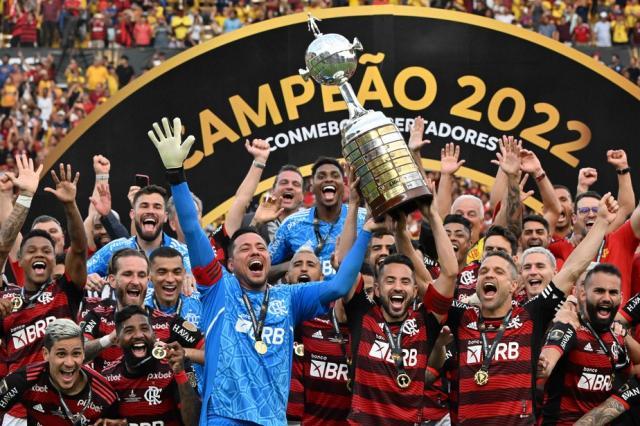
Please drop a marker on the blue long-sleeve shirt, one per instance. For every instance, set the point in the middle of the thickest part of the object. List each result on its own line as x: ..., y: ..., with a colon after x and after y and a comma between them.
x: 241, y: 385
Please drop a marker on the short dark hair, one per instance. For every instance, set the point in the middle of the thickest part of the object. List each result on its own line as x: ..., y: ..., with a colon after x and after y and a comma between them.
x: 366, y: 269
x: 151, y: 189
x: 458, y: 218
x: 127, y: 312
x: 326, y: 160
x: 243, y: 230
x: 165, y: 252
x: 127, y: 252
x: 607, y: 268
x: 287, y: 168
x: 36, y: 233
x: 566, y: 188
x: 381, y: 233
x: 504, y: 233
x: 586, y: 194
x: 505, y: 256
x: 44, y: 218
x: 536, y: 218
x: 395, y: 258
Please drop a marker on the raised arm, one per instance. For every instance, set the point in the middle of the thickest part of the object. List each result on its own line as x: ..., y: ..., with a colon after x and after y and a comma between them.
x: 349, y: 229
x: 75, y: 265
x: 584, y: 253
x: 416, y: 142
x: 449, y: 163
x: 626, y: 197
x: 510, y: 214
x: 587, y: 176
x: 27, y: 184
x: 404, y: 246
x: 529, y: 163
x: 259, y: 149
x: 190, y: 403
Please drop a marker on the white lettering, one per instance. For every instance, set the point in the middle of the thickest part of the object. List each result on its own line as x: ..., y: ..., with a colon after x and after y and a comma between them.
x: 31, y: 333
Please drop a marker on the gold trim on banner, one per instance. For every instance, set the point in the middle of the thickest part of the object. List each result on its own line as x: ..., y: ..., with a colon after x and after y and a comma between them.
x: 339, y: 12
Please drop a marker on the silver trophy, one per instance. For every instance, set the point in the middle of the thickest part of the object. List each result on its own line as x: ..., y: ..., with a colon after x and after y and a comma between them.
x: 371, y: 142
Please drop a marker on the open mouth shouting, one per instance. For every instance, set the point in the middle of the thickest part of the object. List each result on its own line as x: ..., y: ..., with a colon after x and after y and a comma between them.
x: 140, y: 349
x: 534, y: 283
x: 396, y: 302
x: 329, y: 193
x: 149, y: 223
x: 67, y: 376
x: 134, y: 294
x: 490, y: 289
x: 287, y: 198
x: 169, y: 290
x: 256, y: 267
x: 303, y: 278
x: 589, y: 223
x: 604, y: 312
x: 535, y: 242
x: 39, y: 267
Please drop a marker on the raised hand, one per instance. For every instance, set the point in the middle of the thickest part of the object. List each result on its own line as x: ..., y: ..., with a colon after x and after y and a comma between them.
x: 587, y: 176
x: 268, y: 210
x: 175, y: 356
x: 509, y: 156
x: 259, y: 149
x: 169, y: 143
x: 617, y: 158
x: 608, y: 208
x: 449, y: 156
x: 102, y: 203
x: 529, y: 162
x: 66, y: 184
x: 524, y: 194
x: 101, y: 165
x: 354, y: 187
x: 28, y: 178
x: 133, y: 190
x: 415, y: 137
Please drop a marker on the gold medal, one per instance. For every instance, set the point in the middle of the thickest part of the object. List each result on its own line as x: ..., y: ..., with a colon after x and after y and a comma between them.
x: 16, y: 303
x: 159, y: 352
x: 396, y: 357
x: 481, y: 377
x: 261, y: 347
x: 299, y: 349
x: 403, y: 380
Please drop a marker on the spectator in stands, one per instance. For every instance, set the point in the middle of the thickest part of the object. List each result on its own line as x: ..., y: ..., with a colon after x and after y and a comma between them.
x: 232, y: 22
x: 124, y: 71
x: 180, y: 25
x: 602, y: 31
x: 97, y: 73
x: 142, y: 32
x: 98, y: 25
x: 162, y: 34
x: 50, y: 11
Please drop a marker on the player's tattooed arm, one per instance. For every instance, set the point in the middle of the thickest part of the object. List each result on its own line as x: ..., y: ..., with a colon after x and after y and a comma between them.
x: 602, y: 414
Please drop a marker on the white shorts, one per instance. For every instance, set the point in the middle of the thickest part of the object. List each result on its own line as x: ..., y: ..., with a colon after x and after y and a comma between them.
x: 9, y: 420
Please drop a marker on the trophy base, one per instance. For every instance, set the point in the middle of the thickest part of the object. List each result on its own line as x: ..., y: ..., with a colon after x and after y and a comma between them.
x: 407, y: 202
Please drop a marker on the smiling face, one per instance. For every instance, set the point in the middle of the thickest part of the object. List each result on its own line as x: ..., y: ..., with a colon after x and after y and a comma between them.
x: 149, y: 216
x: 460, y: 240
x: 564, y: 220
x: 586, y: 215
x: 37, y: 259
x: 471, y: 208
x: 65, y: 359
x: 289, y: 187
x: 167, y: 275
x: 537, y: 272
x: 250, y: 261
x: 303, y: 268
x: 379, y: 248
x: 496, y: 243
x: 328, y: 186
x: 396, y: 289
x: 130, y: 280
x: 55, y: 231
x: 600, y: 298
x: 534, y: 234
x: 136, y: 338
x: 100, y: 235
x: 496, y: 284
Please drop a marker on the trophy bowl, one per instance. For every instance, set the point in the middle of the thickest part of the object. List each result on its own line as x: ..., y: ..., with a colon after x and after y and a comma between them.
x: 331, y: 59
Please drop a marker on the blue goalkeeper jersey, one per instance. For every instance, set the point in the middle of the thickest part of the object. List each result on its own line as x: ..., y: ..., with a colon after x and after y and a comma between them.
x: 241, y: 384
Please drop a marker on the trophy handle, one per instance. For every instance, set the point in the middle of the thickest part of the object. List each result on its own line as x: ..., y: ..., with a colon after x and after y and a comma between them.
x: 304, y: 72
x: 356, y: 45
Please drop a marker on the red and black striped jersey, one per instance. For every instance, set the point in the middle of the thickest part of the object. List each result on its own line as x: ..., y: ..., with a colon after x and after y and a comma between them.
x: 327, y: 399
x: 31, y: 386
x: 295, y: 405
x: 100, y: 321
x: 582, y: 379
x: 22, y: 332
x: 466, y: 282
x: 149, y: 398
x: 631, y: 310
x: 377, y: 398
x: 508, y: 397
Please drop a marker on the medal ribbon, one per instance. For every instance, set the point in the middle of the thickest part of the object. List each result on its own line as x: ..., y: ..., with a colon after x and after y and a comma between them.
x: 76, y: 419
x: 396, y: 347
x: 156, y: 305
x: 338, y: 334
x: 258, y: 324
x: 601, y: 343
x: 487, y: 350
x: 30, y: 301
x: 316, y: 230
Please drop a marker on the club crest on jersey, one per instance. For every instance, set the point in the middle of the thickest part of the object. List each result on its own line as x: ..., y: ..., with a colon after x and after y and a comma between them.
x: 515, y: 322
x: 278, y: 307
x: 45, y: 298
x: 152, y: 395
x: 410, y: 327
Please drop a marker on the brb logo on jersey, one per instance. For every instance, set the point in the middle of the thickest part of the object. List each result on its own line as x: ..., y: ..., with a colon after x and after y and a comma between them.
x: 328, y: 370
x: 505, y: 351
x: 25, y: 335
x: 270, y: 335
x: 592, y: 381
x: 382, y: 350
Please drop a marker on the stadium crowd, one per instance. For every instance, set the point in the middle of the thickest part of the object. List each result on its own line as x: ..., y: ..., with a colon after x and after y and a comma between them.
x: 470, y: 310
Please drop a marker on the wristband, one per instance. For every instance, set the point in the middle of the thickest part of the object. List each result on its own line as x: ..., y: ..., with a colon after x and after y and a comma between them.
x: 181, y: 377
x: 623, y: 171
x: 105, y: 341
x: 541, y: 177
x: 24, y: 200
x: 435, y: 373
x: 102, y: 176
x: 176, y: 176
x: 258, y: 164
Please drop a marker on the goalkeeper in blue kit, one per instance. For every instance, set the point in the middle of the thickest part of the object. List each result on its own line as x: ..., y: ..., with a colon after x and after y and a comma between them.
x: 248, y: 325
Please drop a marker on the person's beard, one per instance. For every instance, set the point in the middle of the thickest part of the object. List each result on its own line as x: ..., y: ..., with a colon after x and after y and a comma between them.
x: 598, y: 323
x: 144, y: 236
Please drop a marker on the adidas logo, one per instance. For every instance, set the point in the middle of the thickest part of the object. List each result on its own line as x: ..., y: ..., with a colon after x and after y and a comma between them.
x: 472, y: 325
x: 38, y: 407
x: 317, y: 335
x: 588, y: 347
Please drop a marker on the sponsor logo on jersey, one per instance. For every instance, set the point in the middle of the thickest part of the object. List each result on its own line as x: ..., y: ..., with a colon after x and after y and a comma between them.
x: 39, y: 408
x: 472, y: 325
x: 595, y: 382
x: 183, y: 333
x: 588, y: 348
x: 152, y: 395
x: 515, y: 322
x: 626, y: 395
x: 41, y: 389
x: 92, y: 406
x: 159, y: 376
x: 153, y: 423
x: 113, y: 377
x: 382, y: 350
x: 329, y: 370
x: 317, y: 335
x: 25, y: 335
x: 7, y: 397
x: 505, y: 351
x: 160, y: 326
x: 270, y: 335
x: 632, y: 304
